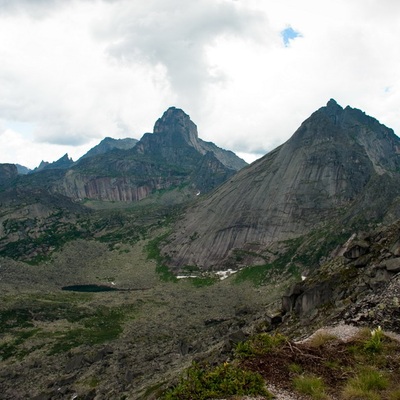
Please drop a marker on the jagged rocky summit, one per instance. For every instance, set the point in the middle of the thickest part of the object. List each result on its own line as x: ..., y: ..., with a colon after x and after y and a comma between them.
x: 339, y: 166
x: 63, y: 163
x: 175, y: 136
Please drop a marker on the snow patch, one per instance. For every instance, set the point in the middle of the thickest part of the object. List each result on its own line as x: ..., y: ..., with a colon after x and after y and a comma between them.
x: 221, y: 275
x: 225, y: 274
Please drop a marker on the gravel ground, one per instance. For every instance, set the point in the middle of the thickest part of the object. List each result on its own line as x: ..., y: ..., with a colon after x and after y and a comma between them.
x: 282, y: 394
x: 343, y: 332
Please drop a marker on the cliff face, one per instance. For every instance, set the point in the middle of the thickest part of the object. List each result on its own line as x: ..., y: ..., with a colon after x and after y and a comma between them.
x: 109, y: 188
x: 335, y: 162
x: 358, y: 286
x: 171, y: 157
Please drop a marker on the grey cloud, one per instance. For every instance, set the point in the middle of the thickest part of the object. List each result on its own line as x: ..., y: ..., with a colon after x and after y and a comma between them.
x: 15, y: 4
x: 175, y: 34
x: 61, y: 134
x: 33, y: 8
x: 245, y: 146
x: 39, y: 8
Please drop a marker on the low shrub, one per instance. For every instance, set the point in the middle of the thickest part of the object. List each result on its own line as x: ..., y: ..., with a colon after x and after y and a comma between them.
x: 259, y: 344
x: 201, y: 383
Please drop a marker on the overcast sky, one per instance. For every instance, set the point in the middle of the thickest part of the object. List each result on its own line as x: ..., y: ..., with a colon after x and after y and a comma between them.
x: 248, y: 72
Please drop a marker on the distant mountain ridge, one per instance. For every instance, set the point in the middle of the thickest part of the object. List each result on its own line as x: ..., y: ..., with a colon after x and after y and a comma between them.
x: 108, y: 144
x: 62, y: 163
x: 171, y: 158
x: 166, y: 159
x: 340, y: 165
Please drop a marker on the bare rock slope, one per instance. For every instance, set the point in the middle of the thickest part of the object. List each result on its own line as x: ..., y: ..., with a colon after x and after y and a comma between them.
x: 339, y: 165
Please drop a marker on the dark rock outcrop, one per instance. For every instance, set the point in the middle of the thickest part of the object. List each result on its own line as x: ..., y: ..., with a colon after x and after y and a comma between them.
x: 340, y: 165
x: 357, y: 249
x: 340, y: 290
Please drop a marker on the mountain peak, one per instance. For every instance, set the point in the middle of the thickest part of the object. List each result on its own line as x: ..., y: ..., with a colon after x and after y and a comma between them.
x: 65, y: 157
x: 332, y: 109
x: 177, y: 124
x: 171, y: 116
x: 332, y: 103
x: 176, y: 139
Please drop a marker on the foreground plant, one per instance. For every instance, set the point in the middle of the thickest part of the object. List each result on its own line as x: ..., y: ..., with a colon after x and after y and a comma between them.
x: 310, y: 385
x: 375, y: 343
x: 365, y: 385
x: 201, y: 383
x: 259, y: 344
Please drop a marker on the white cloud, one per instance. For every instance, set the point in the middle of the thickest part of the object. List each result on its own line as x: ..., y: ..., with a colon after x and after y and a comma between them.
x: 20, y: 149
x: 77, y: 71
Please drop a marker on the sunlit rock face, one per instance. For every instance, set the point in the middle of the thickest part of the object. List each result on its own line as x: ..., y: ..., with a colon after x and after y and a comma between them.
x: 339, y: 164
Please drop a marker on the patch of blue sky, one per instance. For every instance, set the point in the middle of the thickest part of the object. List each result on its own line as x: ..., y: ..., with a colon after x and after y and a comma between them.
x: 289, y: 34
x: 25, y: 128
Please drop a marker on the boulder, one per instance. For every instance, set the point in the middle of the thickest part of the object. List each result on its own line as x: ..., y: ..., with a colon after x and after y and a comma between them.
x: 392, y: 265
x: 363, y: 261
x: 395, y: 249
x: 290, y: 297
x: 357, y: 249
x: 74, y: 363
